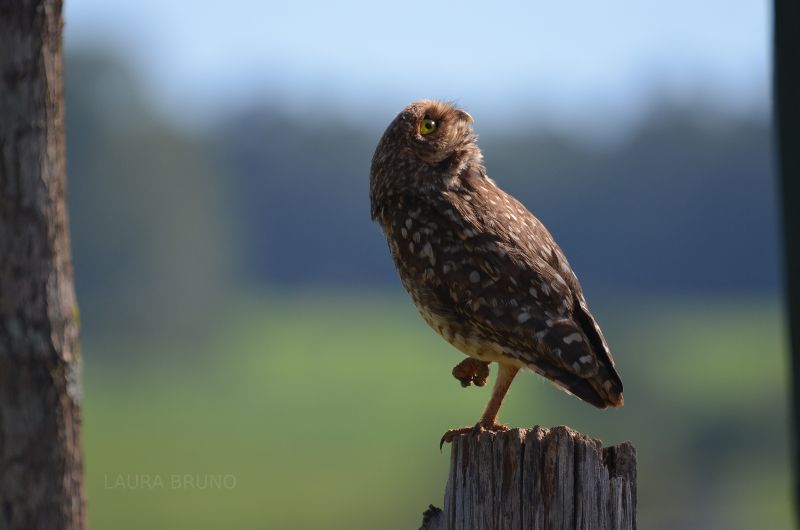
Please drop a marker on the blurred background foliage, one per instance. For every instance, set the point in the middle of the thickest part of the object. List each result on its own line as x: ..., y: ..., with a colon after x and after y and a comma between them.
x: 241, y: 317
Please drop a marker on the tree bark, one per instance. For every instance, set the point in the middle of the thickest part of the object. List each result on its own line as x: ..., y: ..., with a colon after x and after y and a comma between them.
x: 41, y: 472
x: 544, y: 479
x: 787, y: 117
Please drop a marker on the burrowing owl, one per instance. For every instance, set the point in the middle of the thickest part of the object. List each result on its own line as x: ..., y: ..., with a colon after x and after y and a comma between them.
x: 482, y: 270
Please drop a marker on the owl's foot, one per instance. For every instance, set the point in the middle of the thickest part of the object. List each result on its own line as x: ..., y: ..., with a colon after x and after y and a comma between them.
x: 471, y: 372
x: 450, y: 435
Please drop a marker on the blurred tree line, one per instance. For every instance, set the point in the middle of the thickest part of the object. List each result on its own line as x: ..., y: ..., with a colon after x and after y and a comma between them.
x: 166, y: 220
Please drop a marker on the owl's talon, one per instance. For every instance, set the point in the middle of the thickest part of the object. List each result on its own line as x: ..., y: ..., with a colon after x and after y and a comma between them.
x: 450, y: 435
x: 471, y: 372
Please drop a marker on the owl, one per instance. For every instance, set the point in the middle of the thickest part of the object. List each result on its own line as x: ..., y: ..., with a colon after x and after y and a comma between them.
x: 481, y: 269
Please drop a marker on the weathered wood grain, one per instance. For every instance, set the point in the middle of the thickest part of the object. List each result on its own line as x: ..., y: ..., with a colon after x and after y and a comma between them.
x: 543, y: 479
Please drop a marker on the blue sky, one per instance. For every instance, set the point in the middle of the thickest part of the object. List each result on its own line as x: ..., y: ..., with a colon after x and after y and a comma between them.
x: 567, y: 62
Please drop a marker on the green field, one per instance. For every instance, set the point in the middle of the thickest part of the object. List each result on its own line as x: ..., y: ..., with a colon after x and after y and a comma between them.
x: 317, y: 412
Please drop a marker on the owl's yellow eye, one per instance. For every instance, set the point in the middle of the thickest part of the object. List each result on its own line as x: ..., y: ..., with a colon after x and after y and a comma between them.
x: 427, y: 126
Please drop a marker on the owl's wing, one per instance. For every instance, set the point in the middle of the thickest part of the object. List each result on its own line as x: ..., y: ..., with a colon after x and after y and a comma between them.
x: 526, y: 307
x: 515, y: 287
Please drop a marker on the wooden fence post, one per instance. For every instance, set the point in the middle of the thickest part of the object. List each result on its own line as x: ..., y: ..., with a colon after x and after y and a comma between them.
x: 543, y: 479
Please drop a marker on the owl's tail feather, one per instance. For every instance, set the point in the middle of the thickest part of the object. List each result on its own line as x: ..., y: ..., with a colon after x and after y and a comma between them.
x: 578, y: 360
x: 608, y: 385
x: 606, y: 382
x: 602, y: 390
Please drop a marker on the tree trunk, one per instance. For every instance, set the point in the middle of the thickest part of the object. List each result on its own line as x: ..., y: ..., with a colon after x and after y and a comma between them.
x: 543, y: 479
x: 41, y: 476
x: 787, y: 116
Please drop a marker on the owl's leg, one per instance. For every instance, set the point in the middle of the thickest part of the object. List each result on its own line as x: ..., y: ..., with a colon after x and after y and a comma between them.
x: 471, y: 371
x: 505, y: 376
x: 488, y: 421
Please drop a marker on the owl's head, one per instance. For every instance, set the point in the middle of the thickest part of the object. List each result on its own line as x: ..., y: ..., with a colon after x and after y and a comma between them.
x: 433, y: 131
x: 427, y: 143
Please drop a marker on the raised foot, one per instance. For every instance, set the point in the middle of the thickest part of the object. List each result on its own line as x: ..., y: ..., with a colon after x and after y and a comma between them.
x: 477, y: 428
x: 471, y: 372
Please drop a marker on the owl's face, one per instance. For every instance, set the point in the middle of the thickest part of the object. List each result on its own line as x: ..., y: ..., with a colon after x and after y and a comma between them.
x: 424, y: 149
x: 426, y: 146
x: 432, y: 130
